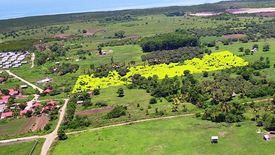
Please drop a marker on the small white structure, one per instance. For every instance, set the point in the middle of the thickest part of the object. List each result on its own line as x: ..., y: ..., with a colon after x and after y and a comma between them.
x: 24, y: 86
x: 214, y: 139
x: 266, y: 137
x: 254, y: 50
x: 44, y: 81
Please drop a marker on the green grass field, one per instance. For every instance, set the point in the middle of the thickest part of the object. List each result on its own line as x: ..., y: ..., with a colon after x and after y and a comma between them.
x: 270, y: 72
x: 21, y: 148
x: 174, y: 136
x: 132, y: 98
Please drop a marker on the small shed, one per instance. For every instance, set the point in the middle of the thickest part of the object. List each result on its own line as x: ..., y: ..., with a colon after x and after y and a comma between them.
x: 267, y: 137
x: 24, y: 86
x: 214, y: 139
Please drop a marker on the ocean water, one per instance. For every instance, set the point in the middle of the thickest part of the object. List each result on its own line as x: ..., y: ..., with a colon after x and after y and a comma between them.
x: 23, y: 8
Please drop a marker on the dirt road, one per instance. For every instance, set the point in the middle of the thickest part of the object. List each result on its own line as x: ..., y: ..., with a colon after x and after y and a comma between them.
x: 51, y: 137
x: 32, y: 59
x: 25, y: 81
x: 132, y: 122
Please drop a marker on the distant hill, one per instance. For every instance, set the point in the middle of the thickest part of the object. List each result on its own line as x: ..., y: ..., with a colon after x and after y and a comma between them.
x: 27, y: 22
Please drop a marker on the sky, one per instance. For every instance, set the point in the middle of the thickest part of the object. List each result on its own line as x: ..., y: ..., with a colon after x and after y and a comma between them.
x: 23, y: 8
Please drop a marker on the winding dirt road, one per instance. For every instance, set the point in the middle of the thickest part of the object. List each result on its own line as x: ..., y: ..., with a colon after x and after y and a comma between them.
x: 51, y: 137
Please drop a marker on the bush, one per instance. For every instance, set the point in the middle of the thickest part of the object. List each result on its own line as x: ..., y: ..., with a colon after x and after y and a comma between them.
x: 61, y: 134
x: 101, y: 104
x: 117, y: 112
x: 198, y: 114
x: 96, y: 92
x: 47, y: 127
x: 120, y: 92
x: 153, y: 101
x: 168, y: 41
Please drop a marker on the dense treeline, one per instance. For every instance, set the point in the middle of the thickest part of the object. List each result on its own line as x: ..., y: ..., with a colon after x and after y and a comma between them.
x: 253, y: 31
x: 55, y: 51
x: 64, y: 68
x: 71, y: 121
x: 168, y: 41
x: 172, y: 56
x: 215, y: 96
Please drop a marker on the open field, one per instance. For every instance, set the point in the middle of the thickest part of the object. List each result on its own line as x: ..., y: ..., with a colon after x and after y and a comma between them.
x: 234, y: 47
x: 176, y: 136
x: 12, y: 127
x: 21, y: 148
x: 132, y: 99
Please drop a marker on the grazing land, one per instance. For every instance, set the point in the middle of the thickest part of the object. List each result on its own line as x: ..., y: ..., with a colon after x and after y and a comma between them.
x: 21, y: 148
x: 189, y: 135
x: 122, y: 74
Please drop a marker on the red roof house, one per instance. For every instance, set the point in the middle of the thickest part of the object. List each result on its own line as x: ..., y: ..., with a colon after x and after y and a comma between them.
x: 51, y: 103
x: 23, y: 112
x: 13, y: 92
x: 36, y: 105
x: 47, y: 91
x: 6, y: 115
x: 5, y: 99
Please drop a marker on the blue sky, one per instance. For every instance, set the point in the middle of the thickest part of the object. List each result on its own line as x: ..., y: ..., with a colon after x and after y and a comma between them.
x: 21, y: 8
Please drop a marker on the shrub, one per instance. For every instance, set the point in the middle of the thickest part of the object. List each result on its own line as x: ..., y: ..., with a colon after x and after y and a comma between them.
x: 101, y: 104
x: 153, y: 101
x: 61, y: 134
x: 96, y: 92
x: 117, y: 112
x: 120, y: 92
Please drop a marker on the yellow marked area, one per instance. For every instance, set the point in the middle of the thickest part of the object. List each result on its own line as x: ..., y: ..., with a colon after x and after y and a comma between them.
x: 212, y: 62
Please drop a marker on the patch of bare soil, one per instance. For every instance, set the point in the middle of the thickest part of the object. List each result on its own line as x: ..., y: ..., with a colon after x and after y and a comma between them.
x: 35, y: 123
x: 267, y: 14
x: 133, y: 37
x: 93, y: 31
x: 93, y: 111
x: 205, y: 14
x: 250, y: 10
x: 62, y: 36
x: 234, y: 36
x: 41, y: 46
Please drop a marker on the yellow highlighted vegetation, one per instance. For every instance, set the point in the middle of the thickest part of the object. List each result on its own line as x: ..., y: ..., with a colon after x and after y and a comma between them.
x: 212, y: 62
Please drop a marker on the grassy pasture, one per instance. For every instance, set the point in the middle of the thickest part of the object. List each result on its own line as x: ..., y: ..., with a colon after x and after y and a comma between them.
x: 12, y: 127
x: 234, y: 48
x: 21, y: 148
x: 132, y: 98
x: 174, y: 136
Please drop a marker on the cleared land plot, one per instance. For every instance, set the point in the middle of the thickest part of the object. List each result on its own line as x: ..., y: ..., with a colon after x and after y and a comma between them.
x: 176, y: 136
x: 21, y: 148
x: 12, y: 127
x: 132, y: 99
x: 250, y: 10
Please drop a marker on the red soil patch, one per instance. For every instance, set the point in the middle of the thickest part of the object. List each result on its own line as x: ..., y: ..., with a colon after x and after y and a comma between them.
x: 234, y: 36
x: 93, y: 111
x: 21, y: 96
x: 267, y: 14
x: 62, y: 36
x: 35, y: 123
